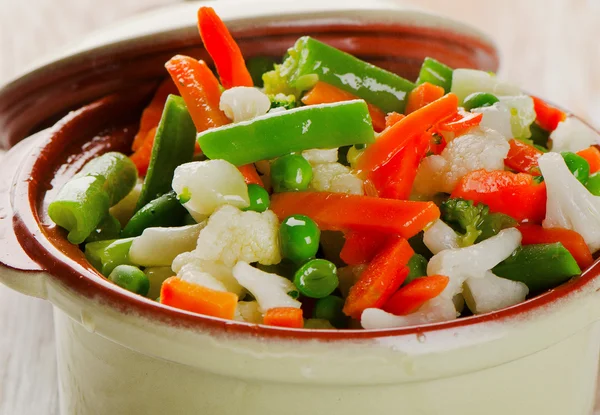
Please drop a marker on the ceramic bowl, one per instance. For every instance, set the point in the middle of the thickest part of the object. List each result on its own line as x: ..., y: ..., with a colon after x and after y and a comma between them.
x: 119, y: 353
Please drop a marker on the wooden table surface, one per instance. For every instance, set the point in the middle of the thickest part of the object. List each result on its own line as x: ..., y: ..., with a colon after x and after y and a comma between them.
x: 548, y: 46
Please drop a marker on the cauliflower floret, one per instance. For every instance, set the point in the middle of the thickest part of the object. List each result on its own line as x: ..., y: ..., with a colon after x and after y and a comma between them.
x: 248, y: 311
x: 496, y: 117
x: 492, y: 293
x: 569, y: 204
x: 433, y: 311
x: 474, y: 261
x: 203, y: 186
x: 439, y: 236
x: 270, y: 290
x: 318, y: 156
x: 335, y: 177
x: 480, y: 148
x: 157, y: 247
x: 210, y: 274
x: 124, y: 210
x: 573, y: 135
x: 242, y: 103
x: 232, y: 235
x: 467, y: 81
x: 511, y: 117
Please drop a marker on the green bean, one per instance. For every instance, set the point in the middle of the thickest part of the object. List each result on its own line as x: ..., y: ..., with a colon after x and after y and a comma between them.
x: 164, y: 211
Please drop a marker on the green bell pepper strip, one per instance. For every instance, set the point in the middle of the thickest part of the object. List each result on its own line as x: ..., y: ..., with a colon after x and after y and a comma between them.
x: 106, y: 255
x: 435, y: 73
x: 164, y: 211
x: 539, y: 136
x: 593, y: 184
x: 492, y: 224
x: 173, y: 145
x: 109, y: 228
x: 277, y: 134
x: 83, y: 202
x: 540, y: 267
x: 377, y: 86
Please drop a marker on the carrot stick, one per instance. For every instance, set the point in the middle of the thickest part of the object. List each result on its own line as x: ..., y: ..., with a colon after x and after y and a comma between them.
x: 592, y: 155
x: 284, y: 317
x: 223, y: 49
x: 391, y: 141
x: 413, y: 295
x: 392, y: 118
x: 250, y: 174
x: 571, y: 240
x: 199, y: 89
x: 178, y: 293
x: 422, y: 95
x: 346, y: 212
x: 361, y: 247
x: 323, y: 93
x: 382, y: 277
x: 141, y: 158
x: 153, y: 112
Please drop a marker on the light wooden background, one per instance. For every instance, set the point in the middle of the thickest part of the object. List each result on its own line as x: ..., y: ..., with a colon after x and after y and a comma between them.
x: 551, y: 47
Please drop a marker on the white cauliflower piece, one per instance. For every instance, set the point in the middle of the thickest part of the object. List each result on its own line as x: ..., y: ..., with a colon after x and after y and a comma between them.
x: 467, y: 81
x: 335, y: 177
x: 496, y: 117
x: 157, y: 247
x: 318, y: 156
x: 569, y: 204
x: 492, y: 293
x: 439, y: 236
x: 203, y: 186
x: 474, y: 261
x: 248, y: 311
x: 433, y: 311
x: 573, y: 135
x: 210, y: 274
x: 480, y: 148
x: 242, y: 103
x: 270, y: 290
x: 232, y: 235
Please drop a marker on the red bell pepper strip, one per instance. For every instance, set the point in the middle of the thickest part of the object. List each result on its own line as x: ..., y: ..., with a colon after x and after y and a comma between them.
x: 571, y: 240
x: 199, y: 89
x: 284, y: 317
x: 514, y: 194
x: 382, y: 277
x: 592, y: 155
x: 392, y: 118
x: 178, y: 293
x: 459, y: 122
x: 323, y: 93
x: 392, y: 140
x: 141, y: 158
x: 413, y: 295
x: 345, y: 212
x: 223, y: 49
x: 422, y: 95
x: 547, y: 116
x: 361, y: 247
x: 394, y: 179
x: 523, y: 158
x: 153, y: 112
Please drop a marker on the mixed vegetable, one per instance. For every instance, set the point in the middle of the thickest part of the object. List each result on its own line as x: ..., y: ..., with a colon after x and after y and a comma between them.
x: 325, y: 192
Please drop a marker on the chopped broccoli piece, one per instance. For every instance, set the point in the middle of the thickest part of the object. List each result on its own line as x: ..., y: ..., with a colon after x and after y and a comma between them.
x: 276, y: 82
x: 283, y: 101
x: 465, y: 218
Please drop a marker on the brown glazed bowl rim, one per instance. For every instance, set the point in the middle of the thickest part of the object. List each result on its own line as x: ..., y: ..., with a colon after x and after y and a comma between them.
x: 28, y: 240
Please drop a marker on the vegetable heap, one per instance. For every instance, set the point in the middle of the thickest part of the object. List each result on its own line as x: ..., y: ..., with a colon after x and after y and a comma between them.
x: 325, y: 192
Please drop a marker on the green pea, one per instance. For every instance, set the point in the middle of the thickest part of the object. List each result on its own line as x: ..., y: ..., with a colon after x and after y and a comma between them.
x: 578, y: 166
x: 131, y: 278
x: 290, y: 173
x: 478, y: 100
x: 593, y: 184
x: 417, y: 266
x: 317, y: 278
x: 299, y: 238
x: 259, y: 198
x: 330, y: 308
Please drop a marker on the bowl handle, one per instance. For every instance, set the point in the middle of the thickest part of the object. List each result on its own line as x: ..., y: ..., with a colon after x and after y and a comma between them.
x: 17, y: 270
